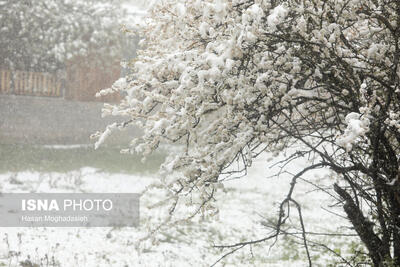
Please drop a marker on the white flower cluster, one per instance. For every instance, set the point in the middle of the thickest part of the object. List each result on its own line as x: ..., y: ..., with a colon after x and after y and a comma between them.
x: 357, y: 126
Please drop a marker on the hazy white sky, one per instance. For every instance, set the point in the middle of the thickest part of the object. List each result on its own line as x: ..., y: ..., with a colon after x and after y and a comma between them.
x: 140, y: 4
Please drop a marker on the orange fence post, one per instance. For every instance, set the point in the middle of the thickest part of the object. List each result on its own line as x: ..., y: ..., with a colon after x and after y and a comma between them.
x: 16, y: 81
x: 40, y: 84
x: 23, y: 74
x: 53, y: 86
x: 2, y: 84
x: 58, y: 89
x: 48, y: 85
x: 20, y: 82
x: 5, y: 81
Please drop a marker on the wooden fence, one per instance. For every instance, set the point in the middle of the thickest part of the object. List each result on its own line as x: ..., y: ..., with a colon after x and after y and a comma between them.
x: 83, y: 80
x: 29, y: 83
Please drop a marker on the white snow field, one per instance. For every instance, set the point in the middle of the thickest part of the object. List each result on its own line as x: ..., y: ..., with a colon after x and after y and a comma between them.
x: 246, y: 206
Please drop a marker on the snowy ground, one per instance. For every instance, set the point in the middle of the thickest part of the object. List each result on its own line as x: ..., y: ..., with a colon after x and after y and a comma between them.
x: 246, y: 206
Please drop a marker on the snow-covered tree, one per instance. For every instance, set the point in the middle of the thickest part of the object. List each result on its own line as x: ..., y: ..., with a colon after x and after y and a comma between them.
x: 230, y: 79
x: 42, y: 35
